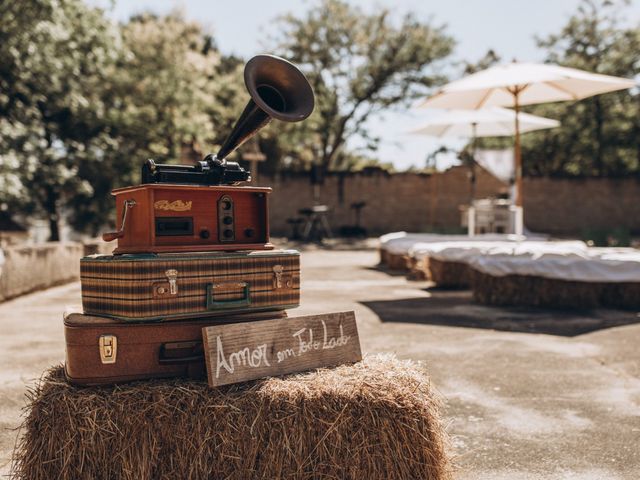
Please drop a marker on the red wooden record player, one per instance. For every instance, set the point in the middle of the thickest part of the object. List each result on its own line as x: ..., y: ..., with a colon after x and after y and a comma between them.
x: 177, y: 218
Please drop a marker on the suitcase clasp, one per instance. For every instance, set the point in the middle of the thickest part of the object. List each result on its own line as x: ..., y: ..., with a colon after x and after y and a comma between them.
x: 172, y: 276
x: 166, y: 289
x: 277, y: 281
x: 108, y: 348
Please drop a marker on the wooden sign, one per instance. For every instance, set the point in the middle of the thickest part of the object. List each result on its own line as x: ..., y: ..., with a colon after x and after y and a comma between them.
x: 240, y: 352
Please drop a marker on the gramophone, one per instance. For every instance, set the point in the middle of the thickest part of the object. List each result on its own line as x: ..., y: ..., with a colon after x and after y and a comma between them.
x: 184, y: 208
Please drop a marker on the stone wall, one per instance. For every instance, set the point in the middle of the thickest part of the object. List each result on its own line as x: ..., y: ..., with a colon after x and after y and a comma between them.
x: 573, y: 206
x: 399, y: 201
x: 37, y: 267
x: 422, y: 202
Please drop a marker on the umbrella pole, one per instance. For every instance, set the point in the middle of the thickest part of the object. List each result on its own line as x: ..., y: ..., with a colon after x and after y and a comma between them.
x: 474, y: 143
x: 518, y: 220
x: 517, y: 153
x: 471, y: 212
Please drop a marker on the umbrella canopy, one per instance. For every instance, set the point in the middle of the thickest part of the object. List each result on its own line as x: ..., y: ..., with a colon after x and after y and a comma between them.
x: 488, y: 122
x: 532, y: 83
x: 516, y: 84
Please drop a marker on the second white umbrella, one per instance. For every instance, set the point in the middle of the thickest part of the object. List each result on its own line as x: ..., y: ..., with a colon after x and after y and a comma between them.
x: 488, y: 122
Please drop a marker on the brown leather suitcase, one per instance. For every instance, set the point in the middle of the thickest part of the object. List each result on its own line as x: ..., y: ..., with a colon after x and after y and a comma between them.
x: 155, y: 287
x: 101, y: 351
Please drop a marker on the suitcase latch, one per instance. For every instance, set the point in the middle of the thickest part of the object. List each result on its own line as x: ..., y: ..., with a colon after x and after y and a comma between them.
x: 166, y: 289
x: 108, y: 348
x: 281, y: 279
x: 277, y: 281
x: 172, y: 276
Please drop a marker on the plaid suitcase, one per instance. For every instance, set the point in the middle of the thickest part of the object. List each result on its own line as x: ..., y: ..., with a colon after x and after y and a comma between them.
x: 153, y: 287
x: 101, y: 350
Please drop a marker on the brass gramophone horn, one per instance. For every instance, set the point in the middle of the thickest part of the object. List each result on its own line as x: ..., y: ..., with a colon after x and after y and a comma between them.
x: 278, y: 90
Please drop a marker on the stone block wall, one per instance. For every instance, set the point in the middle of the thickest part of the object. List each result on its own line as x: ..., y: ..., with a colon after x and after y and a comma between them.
x: 36, y: 267
x: 400, y: 201
x: 431, y: 202
x: 574, y: 206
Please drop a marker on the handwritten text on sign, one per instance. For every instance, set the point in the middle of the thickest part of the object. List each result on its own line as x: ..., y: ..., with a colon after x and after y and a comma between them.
x: 246, y: 351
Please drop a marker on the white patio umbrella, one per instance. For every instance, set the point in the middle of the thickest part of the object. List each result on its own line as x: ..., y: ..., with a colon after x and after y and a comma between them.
x: 516, y: 84
x: 487, y: 122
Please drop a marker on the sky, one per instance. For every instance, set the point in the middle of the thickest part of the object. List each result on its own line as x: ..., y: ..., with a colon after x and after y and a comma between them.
x: 243, y: 27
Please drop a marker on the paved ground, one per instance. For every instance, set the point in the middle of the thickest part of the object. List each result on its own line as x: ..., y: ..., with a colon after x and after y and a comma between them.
x: 529, y: 395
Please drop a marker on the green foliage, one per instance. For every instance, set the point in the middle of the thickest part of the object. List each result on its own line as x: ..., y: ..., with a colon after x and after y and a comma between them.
x: 599, y: 136
x: 84, y: 102
x: 160, y: 94
x: 356, y: 162
x: 163, y: 86
x: 53, y: 57
x: 358, y: 64
x: 489, y: 59
x: 619, y: 237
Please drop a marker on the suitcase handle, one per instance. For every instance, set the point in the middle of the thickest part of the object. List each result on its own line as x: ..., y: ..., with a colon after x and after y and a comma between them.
x: 245, y: 301
x: 172, y: 353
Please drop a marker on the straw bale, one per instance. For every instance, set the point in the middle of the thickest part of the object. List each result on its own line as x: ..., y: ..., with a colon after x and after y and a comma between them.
x: 377, y: 419
x: 397, y: 261
x: 621, y: 295
x: 383, y: 256
x: 418, y: 269
x: 449, y: 274
x: 551, y: 292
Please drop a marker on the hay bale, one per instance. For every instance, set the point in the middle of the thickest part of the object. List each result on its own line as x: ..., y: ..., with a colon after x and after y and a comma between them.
x: 449, y: 274
x: 552, y: 292
x: 375, y: 419
x: 554, y: 277
x: 621, y: 295
x: 383, y: 256
x: 397, y: 261
x: 533, y: 291
x: 418, y: 270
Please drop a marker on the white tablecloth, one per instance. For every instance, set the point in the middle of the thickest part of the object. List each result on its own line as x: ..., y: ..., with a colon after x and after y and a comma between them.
x: 593, y: 266
x: 402, y: 242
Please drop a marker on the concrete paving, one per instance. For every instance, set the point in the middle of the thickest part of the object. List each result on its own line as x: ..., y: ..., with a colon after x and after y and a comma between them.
x: 528, y: 394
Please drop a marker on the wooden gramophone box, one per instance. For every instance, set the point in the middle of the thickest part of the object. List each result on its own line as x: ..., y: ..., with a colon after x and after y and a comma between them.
x: 165, y: 218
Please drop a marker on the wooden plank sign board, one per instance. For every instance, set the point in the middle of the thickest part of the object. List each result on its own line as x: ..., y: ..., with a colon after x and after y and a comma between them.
x: 246, y: 351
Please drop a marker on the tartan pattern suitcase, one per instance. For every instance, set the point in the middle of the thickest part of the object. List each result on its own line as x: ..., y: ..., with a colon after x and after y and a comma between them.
x: 101, y: 350
x: 154, y: 287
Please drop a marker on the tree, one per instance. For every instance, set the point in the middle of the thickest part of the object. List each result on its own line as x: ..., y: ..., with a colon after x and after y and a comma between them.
x: 162, y: 96
x: 85, y: 102
x: 53, y: 57
x: 358, y: 64
x: 489, y: 59
x: 599, y: 135
x: 166, y: 85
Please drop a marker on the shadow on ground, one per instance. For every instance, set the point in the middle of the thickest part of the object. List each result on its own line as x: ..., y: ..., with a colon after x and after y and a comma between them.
x: 331, y: 244
x: 455, y: 308
x: 381, y: 268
